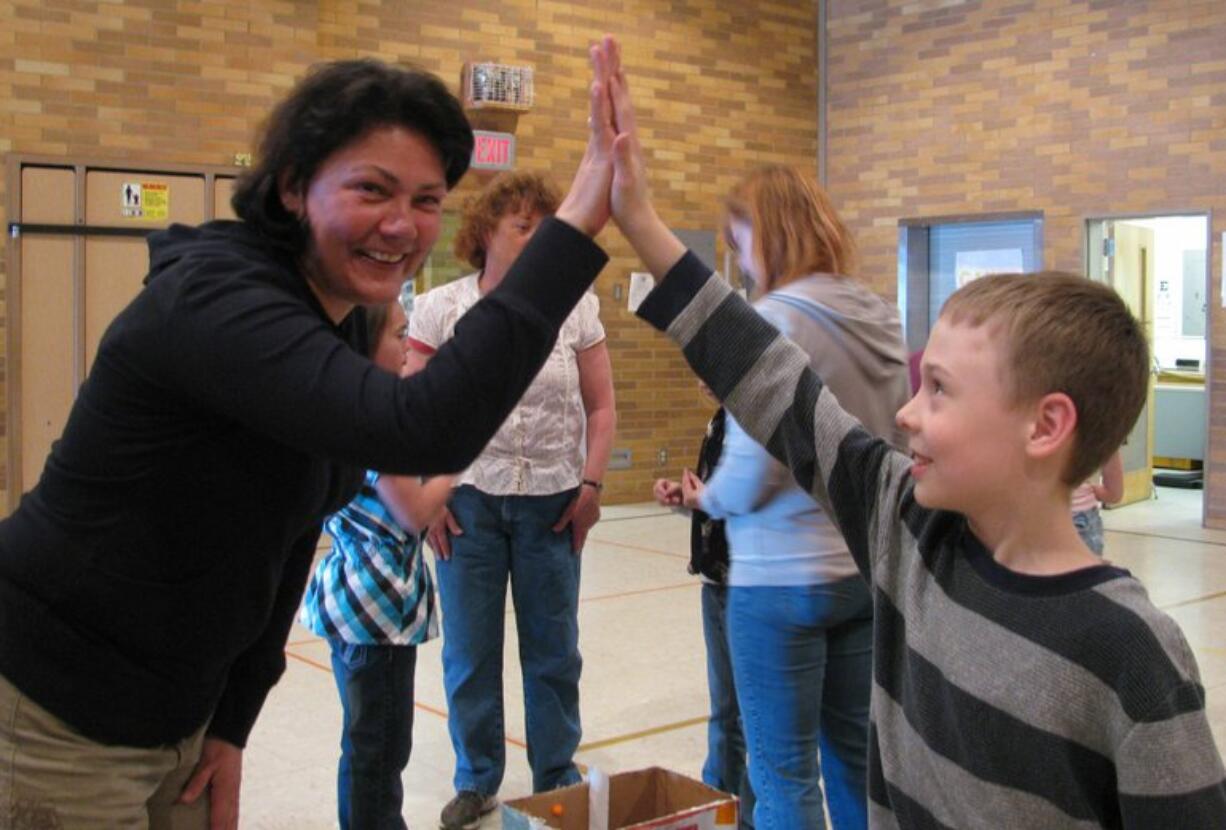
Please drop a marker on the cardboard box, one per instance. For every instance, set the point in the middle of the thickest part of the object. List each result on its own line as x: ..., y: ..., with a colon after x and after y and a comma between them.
x: 647, y: 799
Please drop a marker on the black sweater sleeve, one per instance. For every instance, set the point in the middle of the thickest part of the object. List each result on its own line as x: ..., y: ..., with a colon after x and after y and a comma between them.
x: 243, y: 347
x: 255, y: 671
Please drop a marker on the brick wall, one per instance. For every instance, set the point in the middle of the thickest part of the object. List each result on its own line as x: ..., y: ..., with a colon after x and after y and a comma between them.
x: 1077, y: 108
x: 185, y: 82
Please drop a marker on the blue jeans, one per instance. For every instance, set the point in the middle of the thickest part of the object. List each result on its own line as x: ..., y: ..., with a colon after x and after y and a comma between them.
x: 376, y: 688
x: 803, y: 661
x: 511, y: 537
x: 725, y: 767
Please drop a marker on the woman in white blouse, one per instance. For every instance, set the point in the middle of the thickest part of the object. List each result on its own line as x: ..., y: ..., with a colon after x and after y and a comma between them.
x: 522, y: 511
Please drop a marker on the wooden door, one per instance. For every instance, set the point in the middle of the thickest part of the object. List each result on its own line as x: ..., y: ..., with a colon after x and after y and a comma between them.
x: 81, y: 255
x: 115, y: 266
x: 45, y: 320
x: 1132, y: 275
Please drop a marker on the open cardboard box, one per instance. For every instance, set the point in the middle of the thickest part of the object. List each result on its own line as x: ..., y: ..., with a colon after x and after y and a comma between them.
x: 652, y: 798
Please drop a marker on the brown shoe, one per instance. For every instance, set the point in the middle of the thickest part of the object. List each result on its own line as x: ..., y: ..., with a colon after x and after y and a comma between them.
x: 465, y: 811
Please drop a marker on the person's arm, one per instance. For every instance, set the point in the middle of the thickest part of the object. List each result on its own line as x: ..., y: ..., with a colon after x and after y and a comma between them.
x: 254, y: 672
x: 414, y: 503
x: 745, y: 478
x: 1112, y: 488
x: 252, y: 352
x: 1169, y: 770
x: 600, y: 410
x: 763, y: 378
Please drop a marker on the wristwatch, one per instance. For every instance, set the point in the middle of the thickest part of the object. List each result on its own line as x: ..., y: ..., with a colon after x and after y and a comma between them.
x: 594, y: 484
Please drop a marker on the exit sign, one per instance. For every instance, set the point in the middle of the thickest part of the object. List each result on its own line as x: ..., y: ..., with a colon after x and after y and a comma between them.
x: 493, y: 151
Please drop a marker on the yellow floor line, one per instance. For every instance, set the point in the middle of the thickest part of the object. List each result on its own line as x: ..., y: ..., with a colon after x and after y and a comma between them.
x: 417, y: 705
x: 645, y: 733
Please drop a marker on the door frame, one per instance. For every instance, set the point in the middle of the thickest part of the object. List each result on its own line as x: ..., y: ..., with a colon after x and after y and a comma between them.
x: 81, y: 166
x: 1207, y: 213
x: 913, y: 247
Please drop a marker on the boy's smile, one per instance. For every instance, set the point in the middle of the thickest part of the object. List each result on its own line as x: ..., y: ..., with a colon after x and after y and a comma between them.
x: 967, y: 440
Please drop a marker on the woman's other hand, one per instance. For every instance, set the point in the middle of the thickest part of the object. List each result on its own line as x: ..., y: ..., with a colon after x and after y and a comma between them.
x: 581, y: 514
x: 440, y: 533
x: 219, y: 772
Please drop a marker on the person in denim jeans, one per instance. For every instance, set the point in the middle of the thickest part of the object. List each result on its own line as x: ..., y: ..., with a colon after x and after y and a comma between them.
x: 521, y: 513
x: 1090, y: 495
x: 371, y: 596
x: 799, y: 614
x: 724, y: 768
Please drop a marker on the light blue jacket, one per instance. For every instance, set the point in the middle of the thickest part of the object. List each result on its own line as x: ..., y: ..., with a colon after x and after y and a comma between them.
x: 777, y: 534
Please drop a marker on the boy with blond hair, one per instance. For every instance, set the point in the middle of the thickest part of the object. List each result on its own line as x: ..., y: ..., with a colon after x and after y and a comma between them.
x: 1019, y: 681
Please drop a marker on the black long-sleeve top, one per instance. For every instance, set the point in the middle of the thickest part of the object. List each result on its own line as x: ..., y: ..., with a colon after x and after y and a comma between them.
x: 148, y: 582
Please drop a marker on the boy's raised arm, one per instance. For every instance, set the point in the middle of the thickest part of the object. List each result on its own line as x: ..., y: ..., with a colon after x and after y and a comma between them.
x: 762, y: 377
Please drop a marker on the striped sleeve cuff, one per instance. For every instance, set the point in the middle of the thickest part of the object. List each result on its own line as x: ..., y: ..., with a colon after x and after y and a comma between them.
x: 680, y: 284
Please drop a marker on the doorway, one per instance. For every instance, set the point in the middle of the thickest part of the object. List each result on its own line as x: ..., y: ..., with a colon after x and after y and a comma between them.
x: 1159, y: 264
x: 77, y: 254
x: 938, y: 255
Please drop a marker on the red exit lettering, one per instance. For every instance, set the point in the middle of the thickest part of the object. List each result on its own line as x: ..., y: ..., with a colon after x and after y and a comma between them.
x: 493, y: 150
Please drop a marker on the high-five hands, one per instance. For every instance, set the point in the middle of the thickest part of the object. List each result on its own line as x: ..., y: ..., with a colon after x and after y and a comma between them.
x: 586, y: 205
x: 630, y: 197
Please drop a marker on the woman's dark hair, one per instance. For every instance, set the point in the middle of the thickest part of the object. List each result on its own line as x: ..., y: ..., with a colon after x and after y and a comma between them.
x: 334, y: 105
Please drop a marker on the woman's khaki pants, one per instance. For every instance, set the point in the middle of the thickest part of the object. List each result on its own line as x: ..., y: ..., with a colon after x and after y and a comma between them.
x: 53, y: 777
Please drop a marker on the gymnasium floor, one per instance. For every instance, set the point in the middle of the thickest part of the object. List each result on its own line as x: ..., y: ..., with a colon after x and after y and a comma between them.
x: 644, y: 681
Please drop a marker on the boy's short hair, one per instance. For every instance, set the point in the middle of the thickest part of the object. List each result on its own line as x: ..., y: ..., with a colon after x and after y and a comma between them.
x: 1065, y: 333
x: 507, y: 193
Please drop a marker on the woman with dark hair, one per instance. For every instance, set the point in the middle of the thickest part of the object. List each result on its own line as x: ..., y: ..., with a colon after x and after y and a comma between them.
x: 149, y: 580
x: 520, y: 515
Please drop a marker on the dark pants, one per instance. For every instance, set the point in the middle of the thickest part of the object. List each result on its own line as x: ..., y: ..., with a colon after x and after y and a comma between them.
x: 376, y: 689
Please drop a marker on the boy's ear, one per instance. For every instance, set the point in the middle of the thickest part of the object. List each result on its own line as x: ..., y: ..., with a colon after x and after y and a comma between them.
x: 1053, y: 426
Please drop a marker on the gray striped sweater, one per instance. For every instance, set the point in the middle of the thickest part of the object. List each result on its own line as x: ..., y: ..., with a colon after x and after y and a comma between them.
x: 999, y: 700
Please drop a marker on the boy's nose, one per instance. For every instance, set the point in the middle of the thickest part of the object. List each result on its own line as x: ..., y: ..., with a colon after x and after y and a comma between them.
x: 904, y: 418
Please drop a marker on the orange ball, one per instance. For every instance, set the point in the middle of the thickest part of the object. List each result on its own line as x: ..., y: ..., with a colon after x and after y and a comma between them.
x: 556, y: 810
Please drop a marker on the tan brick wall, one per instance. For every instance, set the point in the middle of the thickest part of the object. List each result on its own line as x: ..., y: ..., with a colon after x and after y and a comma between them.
x: 717, y: 83
x: 1077, y: 108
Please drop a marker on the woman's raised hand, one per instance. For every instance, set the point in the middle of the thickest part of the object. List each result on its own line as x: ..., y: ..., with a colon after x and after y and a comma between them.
x: 586, y: 205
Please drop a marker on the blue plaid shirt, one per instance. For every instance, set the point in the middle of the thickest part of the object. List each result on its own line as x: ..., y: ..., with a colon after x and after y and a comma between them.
x: 373, y: 587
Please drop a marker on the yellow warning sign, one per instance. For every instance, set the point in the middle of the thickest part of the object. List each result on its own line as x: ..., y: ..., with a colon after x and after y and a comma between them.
x: 157, y: 201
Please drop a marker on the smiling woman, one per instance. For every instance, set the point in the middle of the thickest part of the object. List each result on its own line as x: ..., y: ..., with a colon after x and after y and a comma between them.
x: 374, y: 210
x: 148, y: 582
